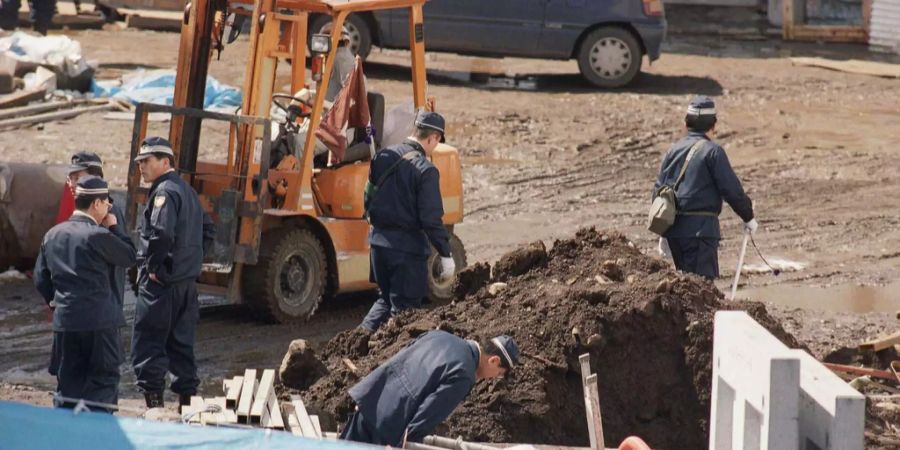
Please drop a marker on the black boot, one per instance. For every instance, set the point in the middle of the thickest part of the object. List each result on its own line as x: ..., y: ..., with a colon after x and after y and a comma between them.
x: 154, y: 399
x: 183, y: 400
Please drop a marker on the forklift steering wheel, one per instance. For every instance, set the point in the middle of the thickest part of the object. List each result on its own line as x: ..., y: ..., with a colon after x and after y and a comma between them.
x: 284, y: 108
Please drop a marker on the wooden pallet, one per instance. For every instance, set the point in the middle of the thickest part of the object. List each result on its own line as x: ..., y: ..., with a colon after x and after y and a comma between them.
x: 250, y: 399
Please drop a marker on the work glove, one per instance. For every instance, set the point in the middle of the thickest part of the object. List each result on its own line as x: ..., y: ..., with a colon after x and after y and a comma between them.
x: 664, y: 249
x: 448, y: 267
x: 751, y: 226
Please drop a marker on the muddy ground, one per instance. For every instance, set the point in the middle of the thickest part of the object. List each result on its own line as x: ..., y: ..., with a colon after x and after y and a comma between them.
x: 815, y: 149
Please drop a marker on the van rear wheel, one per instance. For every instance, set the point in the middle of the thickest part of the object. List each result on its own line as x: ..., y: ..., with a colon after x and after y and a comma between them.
x: 610, y: 57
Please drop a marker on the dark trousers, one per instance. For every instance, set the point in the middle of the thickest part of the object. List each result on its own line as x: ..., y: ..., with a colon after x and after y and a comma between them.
x: 357, y: 430
x: 165, y: 325
x: 696, y: 255
x: 87, y: 366
x: 402, y: 280
x: 42, y: 12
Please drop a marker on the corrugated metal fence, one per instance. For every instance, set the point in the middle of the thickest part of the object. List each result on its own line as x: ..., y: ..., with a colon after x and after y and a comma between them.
x: 884, y: 28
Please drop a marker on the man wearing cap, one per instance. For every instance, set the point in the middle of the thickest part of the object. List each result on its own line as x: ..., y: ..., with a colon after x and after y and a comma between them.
x: 693, y: 240
x: 404, y: 206
x: 89, y: 163
x: 174, y: 235
x: 408, y: 396
x: 83, y: 164
x: 73, y: 271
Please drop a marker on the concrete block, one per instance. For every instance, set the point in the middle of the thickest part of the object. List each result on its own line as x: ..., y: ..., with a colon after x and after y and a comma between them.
x: 832, y: 414
x: 756, y: 387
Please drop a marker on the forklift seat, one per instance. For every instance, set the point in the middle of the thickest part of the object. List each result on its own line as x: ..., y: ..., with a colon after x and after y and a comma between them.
x: 359, y: 150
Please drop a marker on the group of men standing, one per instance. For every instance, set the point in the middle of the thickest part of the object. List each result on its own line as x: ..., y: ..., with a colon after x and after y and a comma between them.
x: 80, y: 272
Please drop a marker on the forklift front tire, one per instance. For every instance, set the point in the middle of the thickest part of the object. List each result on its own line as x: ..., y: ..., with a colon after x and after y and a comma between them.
x: 288, y: 282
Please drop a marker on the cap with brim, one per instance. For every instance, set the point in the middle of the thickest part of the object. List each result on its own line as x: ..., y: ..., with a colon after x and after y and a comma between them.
x: 153, y: 150
x: 431, y: 121
x: 91, y: 186
x: 84, y: 160
x: 77, y: 167
x: 509, y: 349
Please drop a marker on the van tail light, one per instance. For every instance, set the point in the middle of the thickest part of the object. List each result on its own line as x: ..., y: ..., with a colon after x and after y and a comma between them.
x: 653, y: 8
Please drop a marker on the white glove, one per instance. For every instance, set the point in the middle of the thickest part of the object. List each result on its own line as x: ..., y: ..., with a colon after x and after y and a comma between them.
x: 448, y: 268
x: 751, y: 226
x: 664, y: 249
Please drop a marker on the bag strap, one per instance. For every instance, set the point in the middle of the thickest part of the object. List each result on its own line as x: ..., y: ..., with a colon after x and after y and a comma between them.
x: 687, y: 160
x: 372, y: 190
x: 409, y: 156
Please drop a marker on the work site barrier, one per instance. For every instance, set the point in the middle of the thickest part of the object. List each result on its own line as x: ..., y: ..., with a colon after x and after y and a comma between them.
x: 766, y: 396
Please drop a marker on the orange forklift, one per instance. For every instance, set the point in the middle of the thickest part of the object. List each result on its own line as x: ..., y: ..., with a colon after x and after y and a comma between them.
x: 291, y: 234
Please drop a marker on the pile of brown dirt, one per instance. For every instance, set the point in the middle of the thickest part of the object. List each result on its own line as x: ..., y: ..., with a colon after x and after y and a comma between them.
x: 647, y: 328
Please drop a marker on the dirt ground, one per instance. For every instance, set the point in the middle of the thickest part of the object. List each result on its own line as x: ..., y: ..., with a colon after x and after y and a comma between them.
x: 814, y: 148
x: 646, y: 328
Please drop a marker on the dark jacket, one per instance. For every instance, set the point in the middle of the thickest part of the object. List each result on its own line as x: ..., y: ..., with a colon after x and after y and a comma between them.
x: 418, y: 388
x: 406, y: 213
x: 118, y: 275
x: 75, y: 269
x: 175, y: 232
x: 708, y: 180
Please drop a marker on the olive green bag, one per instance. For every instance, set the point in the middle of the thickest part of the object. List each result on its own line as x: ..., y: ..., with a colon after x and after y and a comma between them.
x: 663, y: 209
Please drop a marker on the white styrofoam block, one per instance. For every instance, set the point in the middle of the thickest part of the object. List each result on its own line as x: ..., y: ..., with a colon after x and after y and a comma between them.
x: 832, y: 414
x: 756, y: 385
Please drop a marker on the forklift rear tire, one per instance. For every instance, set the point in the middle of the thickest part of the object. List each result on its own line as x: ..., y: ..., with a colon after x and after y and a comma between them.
x: 288, y: 282
x: 442, y: 291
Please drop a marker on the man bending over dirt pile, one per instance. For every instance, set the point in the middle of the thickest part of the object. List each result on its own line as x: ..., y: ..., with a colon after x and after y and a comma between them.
x: 405, y: 398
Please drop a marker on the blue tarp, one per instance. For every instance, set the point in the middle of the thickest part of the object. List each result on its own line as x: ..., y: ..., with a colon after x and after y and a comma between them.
x: 29, y: 427
x: 158, y: 86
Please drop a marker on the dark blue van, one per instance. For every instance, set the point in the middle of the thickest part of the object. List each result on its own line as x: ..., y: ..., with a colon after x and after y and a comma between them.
x: 607, y: 37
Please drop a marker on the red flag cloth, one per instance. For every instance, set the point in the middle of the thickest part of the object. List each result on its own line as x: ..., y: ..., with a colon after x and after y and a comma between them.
x: 66, y: 205
x: 350, y: 109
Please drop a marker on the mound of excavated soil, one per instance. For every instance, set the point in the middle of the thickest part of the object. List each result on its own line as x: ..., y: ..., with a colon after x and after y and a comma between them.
x: 647, y: 328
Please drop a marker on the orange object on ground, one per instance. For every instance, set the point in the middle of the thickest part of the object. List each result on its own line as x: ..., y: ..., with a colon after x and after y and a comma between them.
x: 66, y: 205
x: 633, y: 443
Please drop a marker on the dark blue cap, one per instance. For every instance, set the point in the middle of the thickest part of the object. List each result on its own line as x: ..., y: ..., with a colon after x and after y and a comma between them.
x: 154, y: 145
x: 430, y: 120
x: 83, y: 160
x: 509, y: 348
x: 91, y: 186
x: 701, y: 105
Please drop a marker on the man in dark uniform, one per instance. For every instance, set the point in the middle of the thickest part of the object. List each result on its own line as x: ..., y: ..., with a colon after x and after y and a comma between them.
x: 693, y: 239
x: 83, y: 164
x: 403, y: 203
x: 174, y: 234
x: 408, y: 396
x: 74, y: 271
x: 89, y: 163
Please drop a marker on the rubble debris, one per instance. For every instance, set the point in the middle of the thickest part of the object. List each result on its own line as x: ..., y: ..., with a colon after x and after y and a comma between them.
x: 58, y: 53
x: 300, y: 366
x: 57, y: 115
x: 520, y: 261
x: 471, y: 279
x: 652, y: 350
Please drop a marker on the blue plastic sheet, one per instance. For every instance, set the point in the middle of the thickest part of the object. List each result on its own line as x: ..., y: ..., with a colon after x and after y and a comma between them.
x: 158, y: 86
x: 36, y: 428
